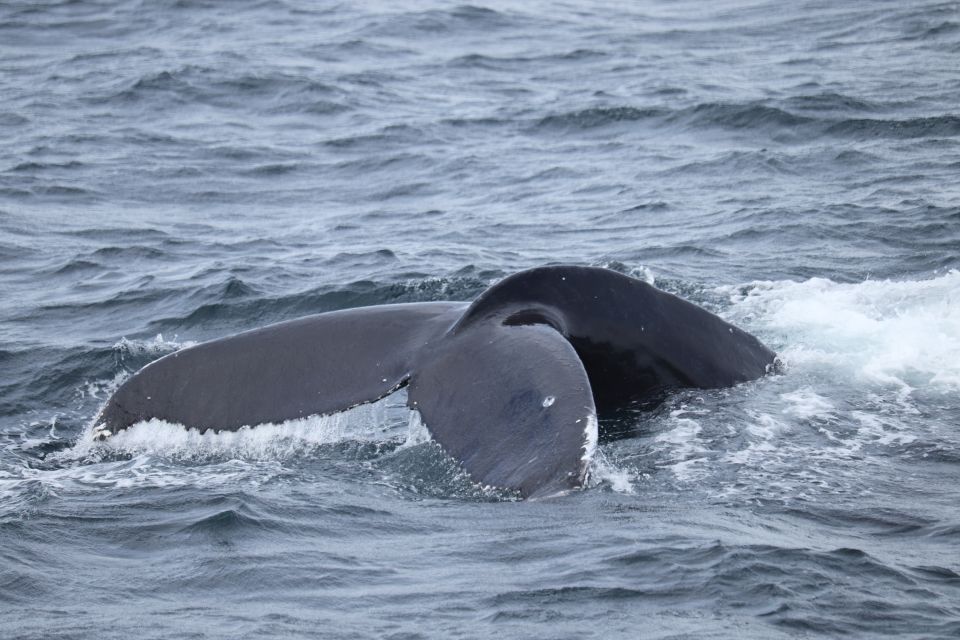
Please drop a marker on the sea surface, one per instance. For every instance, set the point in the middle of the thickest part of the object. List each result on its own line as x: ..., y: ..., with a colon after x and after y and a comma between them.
x: 176, y: 171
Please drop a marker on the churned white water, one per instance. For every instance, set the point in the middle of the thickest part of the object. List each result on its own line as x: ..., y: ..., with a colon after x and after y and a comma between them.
x: 888, y: 333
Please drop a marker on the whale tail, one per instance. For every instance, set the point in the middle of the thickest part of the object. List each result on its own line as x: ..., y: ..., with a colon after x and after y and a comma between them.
x: 509, y: 385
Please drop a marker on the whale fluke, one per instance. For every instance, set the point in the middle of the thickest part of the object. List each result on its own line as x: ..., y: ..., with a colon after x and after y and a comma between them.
x: 319, y: 364
x: 512, y: 404
x: 509, y: 385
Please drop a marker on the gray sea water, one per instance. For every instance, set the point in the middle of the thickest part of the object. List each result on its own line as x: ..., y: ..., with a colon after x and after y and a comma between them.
x: 175, y: 171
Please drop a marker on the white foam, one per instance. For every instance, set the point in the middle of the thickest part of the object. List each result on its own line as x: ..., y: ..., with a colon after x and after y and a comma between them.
x: 806, y: 404
x: 18, y: 489
x: 903, y: 334
x: 862, y: 358
x: 763, y: 433
x: 644, y: 273
x: 101, y: 389
x: 685, y: 449
x: 364, y: 423
x: 602, y: 471
x: 156, y: 346
x: 885, y: 430
x: 153, y: 453
x: 641, y: 272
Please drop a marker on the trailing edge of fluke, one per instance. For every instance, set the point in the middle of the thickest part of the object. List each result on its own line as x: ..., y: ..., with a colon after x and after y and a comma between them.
x: 509, y: 385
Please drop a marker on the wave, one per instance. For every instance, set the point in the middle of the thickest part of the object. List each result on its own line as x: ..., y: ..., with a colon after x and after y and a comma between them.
x: 237, y: 305
x: 459, y: 20
x: 496, y: 63
x: 740, y: 116
x: 945, y: 126
x: 600, y: 117
x: 9, y: 119
x: 756, y: 116
x: 792, y: 587
x: 273, y: 92
x: 830, y: 102
x: 31, y: 167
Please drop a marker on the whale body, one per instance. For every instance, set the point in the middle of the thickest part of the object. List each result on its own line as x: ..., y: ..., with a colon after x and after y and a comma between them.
x: 510, y: 385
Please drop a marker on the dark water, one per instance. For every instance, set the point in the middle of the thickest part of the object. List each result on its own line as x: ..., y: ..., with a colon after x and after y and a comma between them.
x: 192, y: 169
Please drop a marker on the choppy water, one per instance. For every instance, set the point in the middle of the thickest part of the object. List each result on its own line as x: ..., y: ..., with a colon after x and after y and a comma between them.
x: 176, y: 171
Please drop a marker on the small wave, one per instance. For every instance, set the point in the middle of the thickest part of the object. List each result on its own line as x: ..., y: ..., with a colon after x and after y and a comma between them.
x: 654, y: 206
x: 499, y: 63
x: 724, y: 115
x: 63, y: 191
x: 829, y: 102
x: 245, y: 311
x: 118, y: 234
x: 33, y: 167
x: 458, y: 20
x: 130, y: 252
x: 474, y: 122
x: 741, y: 116
x: 923, y: 30
x: 8, y: 119
x: 758, y: 164
x: 309, y: 107
x: 174, y: 82
x: 226, y: 521
x: 384, y: 139
x: 224, y: 291
x: 275, y: 93
x: 599, y: 117
x: 12, y: 192
x: 937, y: 126
x: 758, y: 116
x: 99, y: 56
x: 479, y: 61
x: 77, y: 266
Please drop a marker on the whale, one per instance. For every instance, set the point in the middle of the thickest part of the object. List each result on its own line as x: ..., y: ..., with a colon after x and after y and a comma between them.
x: 510, y: 385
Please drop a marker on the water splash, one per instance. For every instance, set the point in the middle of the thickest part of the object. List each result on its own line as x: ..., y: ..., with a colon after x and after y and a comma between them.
x: 899, y: 334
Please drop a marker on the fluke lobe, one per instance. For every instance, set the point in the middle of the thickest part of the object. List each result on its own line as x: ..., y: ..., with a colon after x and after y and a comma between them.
x: 509, y: 384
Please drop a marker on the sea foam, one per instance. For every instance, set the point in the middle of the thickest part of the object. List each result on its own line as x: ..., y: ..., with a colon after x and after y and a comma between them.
x: 904, y: 334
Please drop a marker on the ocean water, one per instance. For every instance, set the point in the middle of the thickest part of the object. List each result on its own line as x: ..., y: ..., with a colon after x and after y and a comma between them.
x: 175, y: 171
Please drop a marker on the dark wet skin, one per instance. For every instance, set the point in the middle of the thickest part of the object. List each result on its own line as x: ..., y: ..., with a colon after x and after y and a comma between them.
x: 509, y: 385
